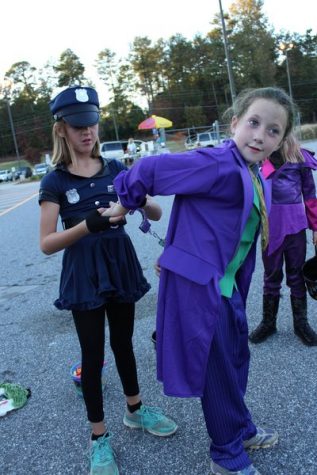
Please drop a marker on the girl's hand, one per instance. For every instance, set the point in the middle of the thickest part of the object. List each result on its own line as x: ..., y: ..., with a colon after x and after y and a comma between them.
x: 152, y: 209
x: 315, y: 238
x: 96, y: 221
x: 114, y: 210
x: 157, y: 268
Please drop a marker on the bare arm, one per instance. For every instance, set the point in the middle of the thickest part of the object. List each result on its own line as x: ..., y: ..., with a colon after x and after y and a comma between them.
x: 152, y: 209
x: 52, y: 240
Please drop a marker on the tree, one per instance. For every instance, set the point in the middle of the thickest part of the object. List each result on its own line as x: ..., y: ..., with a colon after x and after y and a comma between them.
x: 146, y: 60
x: 119, y: 78
x: 47, y: 81
x: 23, y: 78
x: 70, y: 70
x: 252, y: 44
x: 301, y: 51
x: 194, y: 115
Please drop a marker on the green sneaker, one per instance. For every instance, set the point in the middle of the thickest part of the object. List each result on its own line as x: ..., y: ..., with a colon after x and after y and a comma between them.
x: 150, y: 419
x: 102, y: 461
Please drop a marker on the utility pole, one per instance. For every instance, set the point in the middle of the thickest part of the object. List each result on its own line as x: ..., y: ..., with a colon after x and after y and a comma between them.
x: 5, y: 88
x: 227, y: 53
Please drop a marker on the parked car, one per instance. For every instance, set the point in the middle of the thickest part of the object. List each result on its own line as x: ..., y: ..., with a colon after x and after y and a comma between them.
x: 118, y: 149
x: 6, y: 175
x: 26, y: 172
x: 202, y: 139
x: 41, y: 169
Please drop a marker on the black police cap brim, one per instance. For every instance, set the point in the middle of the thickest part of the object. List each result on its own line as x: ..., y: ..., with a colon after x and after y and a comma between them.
x: 79, y: 115
x: 83, y: 119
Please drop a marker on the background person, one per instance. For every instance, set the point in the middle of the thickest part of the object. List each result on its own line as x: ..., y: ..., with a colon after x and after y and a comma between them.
x: 131, y: 147
x: 101, y: 273
x: 206, y: 268
x: 294, y: 208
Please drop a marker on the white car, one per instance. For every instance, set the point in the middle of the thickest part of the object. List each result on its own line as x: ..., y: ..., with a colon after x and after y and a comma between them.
x: 202, y: 139
x: 6, y: 175
x: 118, y: 149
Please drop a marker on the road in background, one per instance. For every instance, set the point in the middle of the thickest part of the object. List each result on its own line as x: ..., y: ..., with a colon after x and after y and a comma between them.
x: 14, y: 194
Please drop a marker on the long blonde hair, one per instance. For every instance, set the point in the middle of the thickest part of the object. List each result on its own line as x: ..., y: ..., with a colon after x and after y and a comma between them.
x: 63, y: 151
x: 290, y: 150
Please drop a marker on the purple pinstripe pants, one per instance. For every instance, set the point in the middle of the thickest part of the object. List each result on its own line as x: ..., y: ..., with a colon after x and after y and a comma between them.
x: 227, y: 417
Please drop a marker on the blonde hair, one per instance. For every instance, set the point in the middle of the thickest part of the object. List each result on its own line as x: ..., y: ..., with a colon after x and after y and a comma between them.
x: 63, y: 151
x: 290, y: 150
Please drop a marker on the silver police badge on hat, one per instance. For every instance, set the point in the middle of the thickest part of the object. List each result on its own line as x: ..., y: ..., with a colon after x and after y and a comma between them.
x: 81, y: 95
x: 110, y: 188
x: 72, y: 196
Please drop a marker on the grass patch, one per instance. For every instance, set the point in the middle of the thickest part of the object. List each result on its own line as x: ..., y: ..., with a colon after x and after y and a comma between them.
x: 14, y: 164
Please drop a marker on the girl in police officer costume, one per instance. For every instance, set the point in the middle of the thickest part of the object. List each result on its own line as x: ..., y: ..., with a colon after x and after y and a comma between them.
x: 101, y: 273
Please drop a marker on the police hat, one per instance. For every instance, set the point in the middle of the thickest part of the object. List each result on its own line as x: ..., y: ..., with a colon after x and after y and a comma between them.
x: 77, y: 105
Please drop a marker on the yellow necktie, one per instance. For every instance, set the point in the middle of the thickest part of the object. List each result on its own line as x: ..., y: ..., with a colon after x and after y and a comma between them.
x: 263, y: 212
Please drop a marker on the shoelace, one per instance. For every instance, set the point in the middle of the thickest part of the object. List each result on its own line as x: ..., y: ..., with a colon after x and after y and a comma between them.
x: 154, y: 412
x: 102, y: 451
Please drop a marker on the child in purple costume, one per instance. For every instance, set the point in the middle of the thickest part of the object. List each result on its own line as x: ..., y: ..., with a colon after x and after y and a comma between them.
x: 206, y: 268
x: 293, y: 210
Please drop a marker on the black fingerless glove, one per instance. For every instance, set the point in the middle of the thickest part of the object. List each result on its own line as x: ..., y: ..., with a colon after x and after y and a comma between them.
x: 96, y: 223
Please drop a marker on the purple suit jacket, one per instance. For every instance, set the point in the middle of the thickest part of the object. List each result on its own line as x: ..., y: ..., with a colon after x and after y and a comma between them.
x: 294, y: 203
x: 213, y: 199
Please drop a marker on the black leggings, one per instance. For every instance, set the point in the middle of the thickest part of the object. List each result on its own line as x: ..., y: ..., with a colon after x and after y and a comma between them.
x: 90, y: 326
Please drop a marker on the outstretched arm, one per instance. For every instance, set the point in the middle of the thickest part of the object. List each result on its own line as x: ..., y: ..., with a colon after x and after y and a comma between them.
x: 151, y: 208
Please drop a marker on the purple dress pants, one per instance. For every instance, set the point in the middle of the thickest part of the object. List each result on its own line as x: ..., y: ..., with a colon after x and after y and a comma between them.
x: 227, y: 417
x: 293, y: 253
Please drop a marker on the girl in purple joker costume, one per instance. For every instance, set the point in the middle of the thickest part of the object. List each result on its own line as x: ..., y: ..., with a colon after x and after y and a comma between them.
x: 206, y: 268
x: 294, y: 208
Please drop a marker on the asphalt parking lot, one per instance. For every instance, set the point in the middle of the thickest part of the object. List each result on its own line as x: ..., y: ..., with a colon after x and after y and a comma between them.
x: 38, y: 346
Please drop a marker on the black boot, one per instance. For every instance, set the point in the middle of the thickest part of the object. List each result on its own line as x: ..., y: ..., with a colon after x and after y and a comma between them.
x: 153, y: 338
x: 268, y: 324
x: 301, y: 326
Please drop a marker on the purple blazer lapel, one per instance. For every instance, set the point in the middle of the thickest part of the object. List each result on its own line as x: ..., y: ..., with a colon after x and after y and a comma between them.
x: 247, y: 188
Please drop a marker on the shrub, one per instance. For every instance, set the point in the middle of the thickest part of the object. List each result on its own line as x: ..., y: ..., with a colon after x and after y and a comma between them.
x: 308, y: 132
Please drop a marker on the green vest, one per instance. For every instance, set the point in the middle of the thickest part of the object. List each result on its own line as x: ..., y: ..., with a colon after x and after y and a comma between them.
x: 227, y: 283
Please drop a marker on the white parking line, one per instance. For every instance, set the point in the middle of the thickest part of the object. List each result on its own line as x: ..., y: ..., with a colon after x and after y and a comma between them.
x: 18, y: 204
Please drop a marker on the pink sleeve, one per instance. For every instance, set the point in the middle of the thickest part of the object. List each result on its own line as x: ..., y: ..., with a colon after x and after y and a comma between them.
x: 311, y: 213
x: 267, y: 168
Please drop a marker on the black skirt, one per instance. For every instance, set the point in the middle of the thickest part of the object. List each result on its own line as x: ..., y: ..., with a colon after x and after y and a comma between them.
x: 98, y: 269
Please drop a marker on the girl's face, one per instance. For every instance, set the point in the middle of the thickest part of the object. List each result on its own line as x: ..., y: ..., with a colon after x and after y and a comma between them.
x: 81, y: 139
x: 260, y: 130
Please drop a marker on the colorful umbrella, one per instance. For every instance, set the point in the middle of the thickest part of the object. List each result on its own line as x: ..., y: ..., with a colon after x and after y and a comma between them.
x: 155, y: 122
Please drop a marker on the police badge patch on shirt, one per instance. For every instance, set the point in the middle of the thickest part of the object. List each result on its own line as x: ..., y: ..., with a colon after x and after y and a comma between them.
x: 72, y: 196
